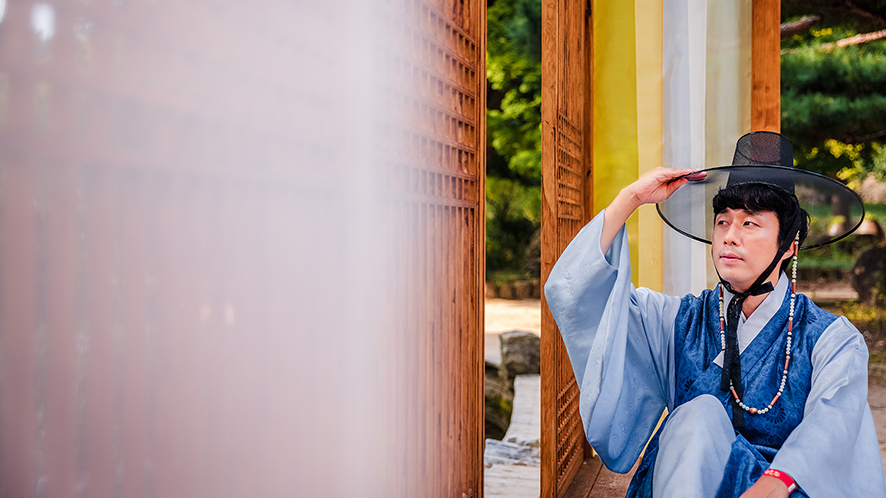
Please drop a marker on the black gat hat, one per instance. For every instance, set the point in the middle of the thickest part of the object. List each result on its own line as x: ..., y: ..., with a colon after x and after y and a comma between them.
x: 767, y: 158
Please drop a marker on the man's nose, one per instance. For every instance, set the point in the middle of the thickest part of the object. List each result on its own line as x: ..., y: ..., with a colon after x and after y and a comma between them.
x: 731, y: 237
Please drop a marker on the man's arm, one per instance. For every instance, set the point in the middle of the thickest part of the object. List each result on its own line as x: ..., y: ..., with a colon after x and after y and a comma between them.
x: 655, y: 186
x: 619, y: 341
x: 618, y: 338
x: 767, y: 487
x: 834, y: 450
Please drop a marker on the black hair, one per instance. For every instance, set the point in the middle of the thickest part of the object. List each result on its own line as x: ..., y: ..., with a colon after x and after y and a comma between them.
x: 755, y: 197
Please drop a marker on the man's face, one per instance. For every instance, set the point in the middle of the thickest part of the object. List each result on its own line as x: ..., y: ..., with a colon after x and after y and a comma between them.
x: 744, y: 244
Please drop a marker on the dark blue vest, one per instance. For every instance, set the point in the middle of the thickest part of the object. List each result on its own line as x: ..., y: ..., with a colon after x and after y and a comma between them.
x: 697, y: 343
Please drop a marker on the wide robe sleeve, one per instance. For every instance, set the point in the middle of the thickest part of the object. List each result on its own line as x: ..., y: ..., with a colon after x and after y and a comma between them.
x: 834, y: 450
x: 620, y: 343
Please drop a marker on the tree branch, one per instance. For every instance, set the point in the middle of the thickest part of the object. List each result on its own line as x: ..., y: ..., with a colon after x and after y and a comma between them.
x: 854, y: 9
x: 848, y: 7
x: 851, y: 139
x: 789, y: 29
x: 856, y: 40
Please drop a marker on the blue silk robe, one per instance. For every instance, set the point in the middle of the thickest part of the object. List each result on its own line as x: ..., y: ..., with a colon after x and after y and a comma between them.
x: 635, y: 352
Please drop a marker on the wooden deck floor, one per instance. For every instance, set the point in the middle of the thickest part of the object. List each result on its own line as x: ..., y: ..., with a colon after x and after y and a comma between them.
x: 593, y: 480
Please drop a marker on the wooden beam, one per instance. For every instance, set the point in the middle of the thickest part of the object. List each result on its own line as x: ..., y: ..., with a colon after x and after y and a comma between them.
x: 550, y: 82
x: 477, y: 397
x: 588, y: 156
x: 766, y: 66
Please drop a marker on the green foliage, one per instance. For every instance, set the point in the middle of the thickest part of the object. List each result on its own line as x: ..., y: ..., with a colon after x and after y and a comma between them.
x: 512, y: 216
x: 834, y: 94
x: 870, y: 319
x: 875, y: 212
x: 874, y: 163
x: 842, y: 254
x: 513, y: 73
x: 833, y: 104
x: 513, y: 124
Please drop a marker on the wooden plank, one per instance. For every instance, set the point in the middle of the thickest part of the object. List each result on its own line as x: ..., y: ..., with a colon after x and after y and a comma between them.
x: 478, y: 225
x: 611, y: 485
x: 439, y: 183
x: 98, y: 368
x: 583, y: 483
x: 594, y: 480
x: 132, y: 311
x: 588, y: 147
x: 588, y: 123
x: 548, y: 432
x: 766, y: 66
x: 572, y: 90
x: 58, y: 296
x: 18, y: 323
x: 565, y: 174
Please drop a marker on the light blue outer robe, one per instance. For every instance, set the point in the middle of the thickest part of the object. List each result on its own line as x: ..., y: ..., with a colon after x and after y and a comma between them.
x: 621, y: 345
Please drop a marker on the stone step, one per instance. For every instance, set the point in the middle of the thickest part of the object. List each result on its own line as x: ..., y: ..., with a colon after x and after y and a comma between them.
x: 512, y: 465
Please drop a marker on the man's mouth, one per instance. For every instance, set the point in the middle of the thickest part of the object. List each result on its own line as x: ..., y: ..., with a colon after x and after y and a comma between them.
x: 730, y: 257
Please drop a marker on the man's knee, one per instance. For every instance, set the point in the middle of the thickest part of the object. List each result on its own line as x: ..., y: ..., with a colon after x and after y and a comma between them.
x: 693, y: 449
x: 702, y: 414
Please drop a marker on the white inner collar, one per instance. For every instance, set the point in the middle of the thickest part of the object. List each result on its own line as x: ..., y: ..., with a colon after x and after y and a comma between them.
x: 748, y: 328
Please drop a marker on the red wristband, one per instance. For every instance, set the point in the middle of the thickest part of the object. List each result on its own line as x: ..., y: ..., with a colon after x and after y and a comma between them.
x: 783, y: 477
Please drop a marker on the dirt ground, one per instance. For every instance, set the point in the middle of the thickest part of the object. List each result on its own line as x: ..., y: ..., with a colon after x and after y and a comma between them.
x: 877, y: 400
x: 505, y: 315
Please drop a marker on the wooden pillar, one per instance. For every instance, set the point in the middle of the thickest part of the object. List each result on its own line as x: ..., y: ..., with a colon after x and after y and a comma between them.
x: 766, y: 66
x: 566, y: 175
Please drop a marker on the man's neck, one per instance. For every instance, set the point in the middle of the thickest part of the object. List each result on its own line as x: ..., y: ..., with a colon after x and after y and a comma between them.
x: 751, y: 303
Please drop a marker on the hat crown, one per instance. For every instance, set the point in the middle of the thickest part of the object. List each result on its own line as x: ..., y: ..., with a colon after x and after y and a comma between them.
x: 763, y: 148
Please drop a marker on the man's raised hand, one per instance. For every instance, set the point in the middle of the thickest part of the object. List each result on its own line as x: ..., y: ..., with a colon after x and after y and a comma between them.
x: 655, y: 186
x: 660, y: 183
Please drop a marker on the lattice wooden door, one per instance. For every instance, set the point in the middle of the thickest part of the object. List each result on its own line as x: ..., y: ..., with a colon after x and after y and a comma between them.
x: 566, y: 207
x: 441, y: 176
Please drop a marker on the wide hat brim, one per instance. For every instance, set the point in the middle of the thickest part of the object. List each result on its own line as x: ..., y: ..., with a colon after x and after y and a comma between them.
x: 835, y: 210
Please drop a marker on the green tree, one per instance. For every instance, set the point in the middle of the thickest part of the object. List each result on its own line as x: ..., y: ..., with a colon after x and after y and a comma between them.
x: 513, y: 117
x: 833, y: 100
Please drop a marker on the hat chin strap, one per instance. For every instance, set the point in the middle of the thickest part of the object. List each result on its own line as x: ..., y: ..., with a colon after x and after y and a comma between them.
x: 731, y: 376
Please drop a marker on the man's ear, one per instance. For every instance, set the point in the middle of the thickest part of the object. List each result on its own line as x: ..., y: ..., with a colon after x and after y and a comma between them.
x: 794, y: 249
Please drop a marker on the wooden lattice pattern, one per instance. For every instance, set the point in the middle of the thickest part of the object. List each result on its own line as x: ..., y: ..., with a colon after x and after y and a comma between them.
x: 565, y: 208
x: 433, y: 139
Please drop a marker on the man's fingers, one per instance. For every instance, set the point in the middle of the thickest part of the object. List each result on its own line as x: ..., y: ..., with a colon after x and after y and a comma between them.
x: 688, y: 174
x: 696, y: 176
x: 659, y: 184
x: 675, y: 184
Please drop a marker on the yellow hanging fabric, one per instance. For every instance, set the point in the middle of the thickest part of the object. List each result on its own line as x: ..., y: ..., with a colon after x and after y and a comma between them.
x: 627, y: 118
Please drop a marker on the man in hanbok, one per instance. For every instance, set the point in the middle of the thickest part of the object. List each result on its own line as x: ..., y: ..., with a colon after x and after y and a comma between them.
x: 766, y: 393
